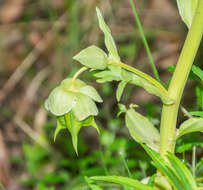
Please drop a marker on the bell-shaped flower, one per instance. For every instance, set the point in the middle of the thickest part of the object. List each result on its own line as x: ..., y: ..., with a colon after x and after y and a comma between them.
x: 73, y: 102
x: 78, y: 97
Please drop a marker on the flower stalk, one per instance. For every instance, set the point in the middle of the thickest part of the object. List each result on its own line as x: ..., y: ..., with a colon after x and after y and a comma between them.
x: 186, y: 59
x: 77, y: 74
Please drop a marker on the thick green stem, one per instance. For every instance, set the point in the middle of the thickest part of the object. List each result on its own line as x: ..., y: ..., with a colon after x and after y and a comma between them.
x: 186, y: 59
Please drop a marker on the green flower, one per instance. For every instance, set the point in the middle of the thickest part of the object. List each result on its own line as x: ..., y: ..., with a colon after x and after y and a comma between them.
x: 73, y: 102
x: 76, y: 96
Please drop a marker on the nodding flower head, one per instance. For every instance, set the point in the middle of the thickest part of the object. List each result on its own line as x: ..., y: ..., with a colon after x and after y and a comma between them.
x: 74, y: 96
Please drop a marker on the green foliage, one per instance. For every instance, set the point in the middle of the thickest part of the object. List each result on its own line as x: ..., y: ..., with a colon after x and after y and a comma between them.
x: 198, y: 72
x: 199, y: 94
x: 73, y: 102
x: 123, y: 181
x: 109, y: 41
x: 115, y: 73
x: 92, y: 57
x: 177, y: 172
x: 141, y: 129
x: 189, y: 126
x: 187, y: 10
x: 41, y: 186
x: 91, y: 185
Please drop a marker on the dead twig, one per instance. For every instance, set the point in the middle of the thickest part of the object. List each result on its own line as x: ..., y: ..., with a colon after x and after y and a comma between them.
x: 31, y: 91
x: 32, y: 134
x: 30, y: 59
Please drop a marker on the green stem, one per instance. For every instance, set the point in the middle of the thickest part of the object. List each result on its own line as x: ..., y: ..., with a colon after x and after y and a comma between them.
x: 193, y: 160
x: 139, y: 25
x: 186, y: 59
x: 141, y: 74
x: 77, y: 74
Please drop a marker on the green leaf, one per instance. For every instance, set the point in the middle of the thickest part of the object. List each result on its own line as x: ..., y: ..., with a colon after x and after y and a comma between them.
x: 151, y: 181
x: 183, y: 172
x: 188, y: 146
x: 124, y: 181
x: 112, y: 74
x: 141, y: 129
x: 116, y: 73
x: 91, y: 185
x: 177, y: 172
x: 92, y: 57
x: 84, y: 107
x: 60, y: 101
x: 122, y: 109
x: 190, y: 126
x: 187, y: 10
x: 199, y: 94
x: 198, y: 72
x: 196, y: 113
x: 91, y: 92
x: 120, y: 89
x: 150, y: 88
x: 109, y: 41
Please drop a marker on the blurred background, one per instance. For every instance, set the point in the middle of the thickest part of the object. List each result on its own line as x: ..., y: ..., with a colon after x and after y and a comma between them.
x: 38, y: 39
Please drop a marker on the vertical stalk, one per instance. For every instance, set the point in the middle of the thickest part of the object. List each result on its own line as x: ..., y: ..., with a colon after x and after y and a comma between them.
x: 170, y: 112
x: 149, y: 54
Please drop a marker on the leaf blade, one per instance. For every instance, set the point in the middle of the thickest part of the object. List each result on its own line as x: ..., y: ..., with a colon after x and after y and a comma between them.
x: 141, y: 129
x: 123, y: 181
x: 109, y: 41
x: 92, y: 57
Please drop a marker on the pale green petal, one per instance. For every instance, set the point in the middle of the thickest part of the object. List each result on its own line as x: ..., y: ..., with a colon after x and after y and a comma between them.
x: 84, y: 107
x: 67, y: 83
x: 60, y: 101
x: 91, y: 92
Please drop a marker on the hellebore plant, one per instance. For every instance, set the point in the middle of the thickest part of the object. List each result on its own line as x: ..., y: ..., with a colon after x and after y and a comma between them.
x: 73, y: 103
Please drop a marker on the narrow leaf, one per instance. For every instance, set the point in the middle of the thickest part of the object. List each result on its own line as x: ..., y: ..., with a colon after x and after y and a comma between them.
x: 92, y: 57
x: 124, y: 181
x: 174, y: 176
x: 91, y: 185
x: 198, y: 72
x: 196, y: 113
x: 183, y: 172
x: 109, y: 41
x: 187, y: 10
x: 188, y: 146
x: 141, y: 129
x: 120, y: 89
x: 199, y: 94
x: 190, y: 126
